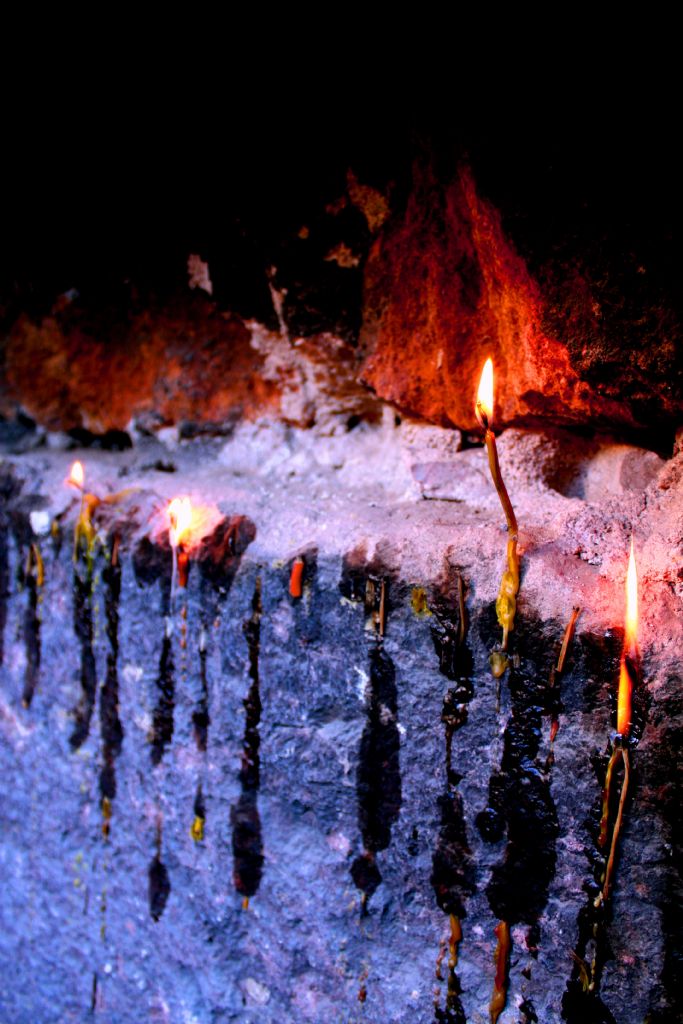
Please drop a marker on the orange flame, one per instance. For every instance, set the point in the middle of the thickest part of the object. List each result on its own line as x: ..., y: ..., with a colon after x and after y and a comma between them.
x: 484, y: 405
x: 630, y: 646
x: 179, y: 520
x: 77, y: 475
x: 631, y: 639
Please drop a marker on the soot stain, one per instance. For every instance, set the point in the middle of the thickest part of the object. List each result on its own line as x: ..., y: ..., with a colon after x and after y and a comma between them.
x: 220, y: 553
x: 666, y: 779
x: 357, y: 571
x: 374, y: 584
x: 111, y: 729
x: 31, y: 578
x: 83, y: 593
x: 201, y: 719
x: 159, y: 883
x: 453, y: 876
x: 378, y: 781
x: 162, y: 718
x: 520, y: 804
x: 353, y: 575
x: 200, y: 804
x: 529, y: 1012
x: 154, y: 562
x: 453, y: 872
x: 600, y: 653
x: 4, y: 586
x: 247, y: 839
x: 219, y: 559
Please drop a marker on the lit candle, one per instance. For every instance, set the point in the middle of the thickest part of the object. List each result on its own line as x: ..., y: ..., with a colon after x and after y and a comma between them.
x: 84, y: 532
x: 179, y: 525
x: 506, y: 602
x: 77, y: 475
x: 629, y: 657
x: 628, y: 675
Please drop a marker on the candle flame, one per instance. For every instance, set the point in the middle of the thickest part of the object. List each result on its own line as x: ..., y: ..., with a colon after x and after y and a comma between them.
x: 630, y: 647
x: 624, y: 700
x: 77, y: 475
x: 484, y: 406
x: 179, y: 520
x: 631, y: 602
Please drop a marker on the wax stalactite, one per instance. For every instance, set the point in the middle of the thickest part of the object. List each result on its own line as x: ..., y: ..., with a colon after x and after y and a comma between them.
x: 453, y: 874
x: 34, y: 578
x: 502, y: 962
x: 83, y: 587
x: 111, y: 728
x: 159, y: 883
x: 296, y: 578
x: 247, y: 838
x: 199, y: 820
x: 506, y: 602
x: 378, y: 778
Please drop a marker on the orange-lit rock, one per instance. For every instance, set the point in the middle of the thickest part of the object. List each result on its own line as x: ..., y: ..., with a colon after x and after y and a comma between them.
x: 444, y: 289
x: 183, y: 362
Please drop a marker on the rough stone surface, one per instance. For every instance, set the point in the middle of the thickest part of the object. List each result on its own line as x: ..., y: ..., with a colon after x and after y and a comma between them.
x: 184, y: 363
x: 315, y: 751
x: 402, y: 286
x: 445, y: 288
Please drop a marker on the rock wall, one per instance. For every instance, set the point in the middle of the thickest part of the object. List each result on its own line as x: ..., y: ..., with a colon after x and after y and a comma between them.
x: 231, y: 803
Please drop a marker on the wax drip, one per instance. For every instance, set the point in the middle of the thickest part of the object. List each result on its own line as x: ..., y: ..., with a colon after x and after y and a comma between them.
x: 83, y: 594
x: 378, y: 780
x: 111, y: 729
x: 453, y: 875
x: 33, y: 578
x: 247, y: 841
x: 521, y: 805
x: 159, y: 883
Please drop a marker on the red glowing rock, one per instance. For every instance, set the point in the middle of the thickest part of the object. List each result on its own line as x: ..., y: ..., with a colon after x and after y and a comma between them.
x: 183, y: 362
x: 444, y: 290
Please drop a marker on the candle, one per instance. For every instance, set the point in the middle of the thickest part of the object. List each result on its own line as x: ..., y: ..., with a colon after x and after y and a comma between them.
x: 179, y: 525
x: 628, y: 674
x: 483, y: 410
x: 296, y: 577
x: 77, y: 475
x: 84, y: 532
x: 506, y: 602
x: 629, y: 657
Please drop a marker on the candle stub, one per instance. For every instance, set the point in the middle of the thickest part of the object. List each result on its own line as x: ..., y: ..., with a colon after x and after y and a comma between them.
x: 506, y: 602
